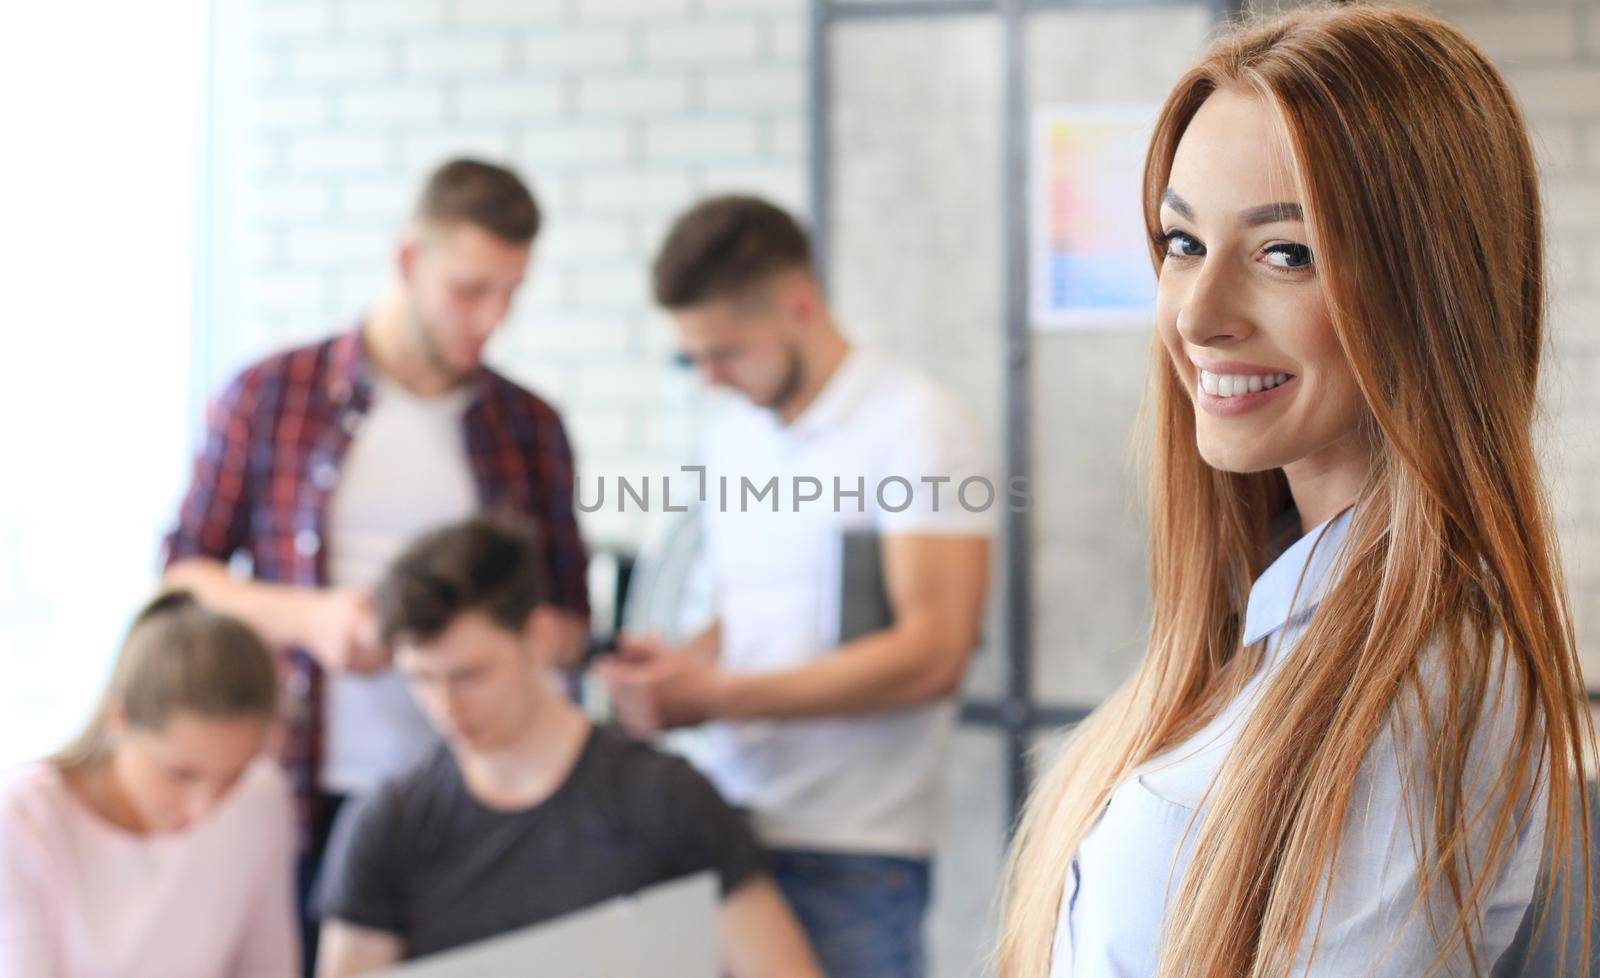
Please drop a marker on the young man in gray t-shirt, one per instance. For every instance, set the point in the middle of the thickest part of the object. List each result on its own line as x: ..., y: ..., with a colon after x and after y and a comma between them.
x: 527, y: 812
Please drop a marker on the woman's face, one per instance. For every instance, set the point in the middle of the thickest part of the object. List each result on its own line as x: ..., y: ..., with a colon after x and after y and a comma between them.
x: 1240, y: 310
x: 175, y: 776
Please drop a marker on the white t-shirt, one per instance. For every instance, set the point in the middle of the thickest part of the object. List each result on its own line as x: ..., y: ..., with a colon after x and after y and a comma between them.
x: 83, y: 898
x: 852, y: 783
x: 406, y: 472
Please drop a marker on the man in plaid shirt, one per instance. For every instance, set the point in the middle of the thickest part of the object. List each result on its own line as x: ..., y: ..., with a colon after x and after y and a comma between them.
x: 321, y: 462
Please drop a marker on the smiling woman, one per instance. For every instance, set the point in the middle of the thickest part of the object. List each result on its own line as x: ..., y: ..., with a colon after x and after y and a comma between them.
x: 1343, y: 754
x: 1241, y: 312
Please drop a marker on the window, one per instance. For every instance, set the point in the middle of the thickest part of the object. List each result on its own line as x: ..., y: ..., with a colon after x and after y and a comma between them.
x: 104, y: 106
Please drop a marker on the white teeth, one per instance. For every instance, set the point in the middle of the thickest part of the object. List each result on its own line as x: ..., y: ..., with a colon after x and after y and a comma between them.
x: 1232, y: 385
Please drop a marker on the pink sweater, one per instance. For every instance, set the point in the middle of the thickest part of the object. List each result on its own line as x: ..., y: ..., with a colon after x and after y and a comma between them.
x: 82, y: 898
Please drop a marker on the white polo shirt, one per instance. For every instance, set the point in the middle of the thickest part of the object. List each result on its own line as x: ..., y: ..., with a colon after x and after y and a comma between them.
x: 864, y: 783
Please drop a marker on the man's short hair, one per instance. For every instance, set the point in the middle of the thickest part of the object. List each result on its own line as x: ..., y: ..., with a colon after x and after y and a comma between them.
x: 466, y: 191
x: 493, y: 565
x: 725, y: 246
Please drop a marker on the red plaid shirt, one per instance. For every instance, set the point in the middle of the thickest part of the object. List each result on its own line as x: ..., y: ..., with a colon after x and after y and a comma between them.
x: 263, y: 479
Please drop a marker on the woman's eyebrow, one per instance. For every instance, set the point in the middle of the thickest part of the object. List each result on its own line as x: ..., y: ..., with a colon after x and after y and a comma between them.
x: 1265, y: 214
x: 1271, y: 214
x: 1172, y: 200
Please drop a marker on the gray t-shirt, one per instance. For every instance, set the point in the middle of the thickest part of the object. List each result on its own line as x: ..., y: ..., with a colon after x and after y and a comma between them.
x: 423, y: 859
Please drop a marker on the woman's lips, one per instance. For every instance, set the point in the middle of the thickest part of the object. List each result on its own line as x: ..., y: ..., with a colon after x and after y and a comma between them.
x: 1228, y: 407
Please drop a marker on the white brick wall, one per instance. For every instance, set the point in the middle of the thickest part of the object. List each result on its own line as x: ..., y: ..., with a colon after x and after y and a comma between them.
x: 364, y: 18
x: 512, y: 101
x: 335, y: 60
x: 619, y: 112
x: 733, y: 43
x: 586, y: 49
x: 452, y: 57
x: 498, y: 15
x: 635, y: 94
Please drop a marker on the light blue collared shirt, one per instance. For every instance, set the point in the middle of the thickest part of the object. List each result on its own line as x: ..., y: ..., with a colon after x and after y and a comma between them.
x: 1130, y: 862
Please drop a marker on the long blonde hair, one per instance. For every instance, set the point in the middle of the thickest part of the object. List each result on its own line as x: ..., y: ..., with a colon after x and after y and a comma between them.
x: 1419, y: 185
x: 178, y: 656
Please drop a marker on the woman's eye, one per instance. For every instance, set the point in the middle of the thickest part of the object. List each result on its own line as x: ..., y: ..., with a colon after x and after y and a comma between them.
x: 1176, y: 244
x: 1288, y: 256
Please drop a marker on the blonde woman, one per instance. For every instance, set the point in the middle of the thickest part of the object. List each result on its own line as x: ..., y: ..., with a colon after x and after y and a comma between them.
x: 1360, y: 713
x: 159, y: 844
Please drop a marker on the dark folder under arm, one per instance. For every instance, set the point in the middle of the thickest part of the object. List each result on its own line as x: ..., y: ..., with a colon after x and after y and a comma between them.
x: 863, y: 598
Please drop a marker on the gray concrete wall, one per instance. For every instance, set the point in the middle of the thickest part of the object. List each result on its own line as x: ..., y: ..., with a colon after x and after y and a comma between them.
x: 918, y: 269
x: 916, y: 234
x: 1090, y: 599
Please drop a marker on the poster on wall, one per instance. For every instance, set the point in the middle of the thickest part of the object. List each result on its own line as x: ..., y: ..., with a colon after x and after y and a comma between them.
x: 1089, y: 254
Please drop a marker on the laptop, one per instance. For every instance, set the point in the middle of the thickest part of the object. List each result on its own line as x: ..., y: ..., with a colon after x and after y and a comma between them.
x: 667, y: 931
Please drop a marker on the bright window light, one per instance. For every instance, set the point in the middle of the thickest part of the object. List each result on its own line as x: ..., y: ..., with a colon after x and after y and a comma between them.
x: 101, y: 176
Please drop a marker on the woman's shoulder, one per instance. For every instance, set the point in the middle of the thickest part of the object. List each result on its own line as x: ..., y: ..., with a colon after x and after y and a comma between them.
x: 1448, y: 678
x: 261, y: 798
x: 264, y: 781
x: 31, y: 789
x: 1484, y: 711
x: 34, y: 804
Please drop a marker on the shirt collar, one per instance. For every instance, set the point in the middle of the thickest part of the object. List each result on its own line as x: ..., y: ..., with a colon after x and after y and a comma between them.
x: 349, y: 369
x: 1274, y: 591
x: 351, y: 373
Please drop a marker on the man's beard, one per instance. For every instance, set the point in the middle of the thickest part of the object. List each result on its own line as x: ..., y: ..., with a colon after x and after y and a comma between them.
x: 430, y: 351
x: 789, y: 386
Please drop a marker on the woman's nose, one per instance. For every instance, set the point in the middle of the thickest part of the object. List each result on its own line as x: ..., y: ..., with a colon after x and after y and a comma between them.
x: 1213, y: 310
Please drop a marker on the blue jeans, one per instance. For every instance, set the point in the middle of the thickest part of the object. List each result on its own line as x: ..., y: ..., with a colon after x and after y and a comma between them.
x: 863, y: 914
